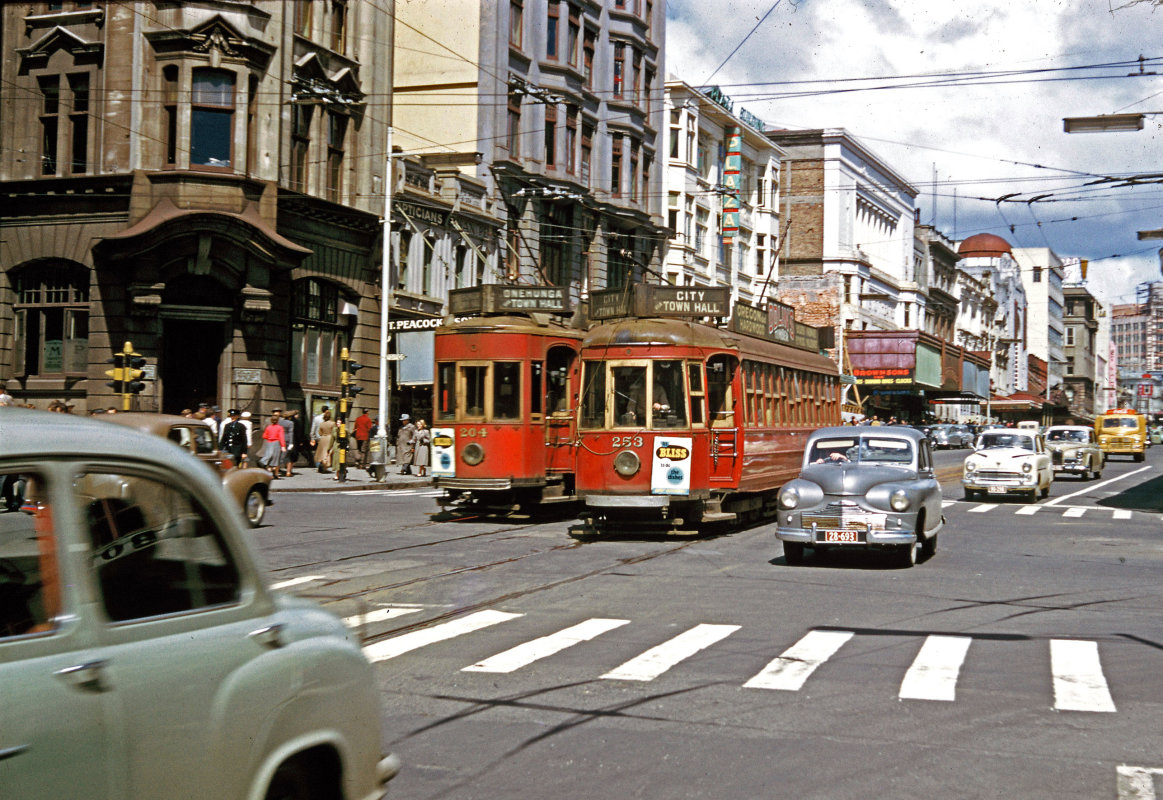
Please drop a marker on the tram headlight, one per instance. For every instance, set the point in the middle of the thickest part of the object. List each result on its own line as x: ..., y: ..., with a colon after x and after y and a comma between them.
x: 627, y: 463
x: 899, y: 500
x: 472, y: 454
x: 789, y: 498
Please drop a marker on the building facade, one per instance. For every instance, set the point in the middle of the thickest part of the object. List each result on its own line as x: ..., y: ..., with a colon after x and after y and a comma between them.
x: 564, y: 102
x: 722, y: 204
x: 205, y: 181
x: 1083, y: 381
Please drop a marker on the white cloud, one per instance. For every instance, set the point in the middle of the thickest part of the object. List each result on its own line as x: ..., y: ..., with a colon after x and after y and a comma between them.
x: 982, y: 141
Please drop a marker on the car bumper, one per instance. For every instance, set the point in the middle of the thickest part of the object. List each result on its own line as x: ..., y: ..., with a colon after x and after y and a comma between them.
x: 1073, y: 467
x: 993, y: 487
x: 812, y: 538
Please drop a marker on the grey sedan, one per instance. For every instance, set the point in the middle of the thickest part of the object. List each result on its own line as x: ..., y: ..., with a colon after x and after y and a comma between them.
x: 950, y: 436
x: 864, y: 488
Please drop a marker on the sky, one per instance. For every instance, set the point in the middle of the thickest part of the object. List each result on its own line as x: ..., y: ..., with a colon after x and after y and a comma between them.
x: 964, y: 100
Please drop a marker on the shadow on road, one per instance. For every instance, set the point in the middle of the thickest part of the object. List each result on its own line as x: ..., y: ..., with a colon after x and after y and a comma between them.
x: 1146, y: 496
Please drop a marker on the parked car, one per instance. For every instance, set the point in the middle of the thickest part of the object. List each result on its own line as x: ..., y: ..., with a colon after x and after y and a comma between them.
x: 1008, y: 461
x: 249, y: 486
x: 862, y: 488
x: 950, y: 436
x: 143, y: 654
x: 1074, y: 449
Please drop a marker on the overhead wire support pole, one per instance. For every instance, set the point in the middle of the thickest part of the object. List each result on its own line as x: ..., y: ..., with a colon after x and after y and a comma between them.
x: 385, y: 307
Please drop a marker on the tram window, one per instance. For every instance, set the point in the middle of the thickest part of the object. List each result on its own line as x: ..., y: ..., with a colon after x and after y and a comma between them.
x: 720, y: 403
x: 695, y: 376
x: 769, y: 394
x: 473, y: 380
x: 629, y: 396
x: 446, y: 391
x: 557, y: 366
x: 668, y: 407
x: 535, y: 369
x: 593, y: 413
x: 507, y: 390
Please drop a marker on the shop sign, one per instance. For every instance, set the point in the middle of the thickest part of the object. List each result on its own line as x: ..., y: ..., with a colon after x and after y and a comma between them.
x: 882, y: 375
x: 419, y: 213
x: 247, y: 375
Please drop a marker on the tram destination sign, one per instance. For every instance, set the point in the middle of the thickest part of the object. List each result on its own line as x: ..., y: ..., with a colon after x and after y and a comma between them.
x: 501, y: 299
x: 653, y: 300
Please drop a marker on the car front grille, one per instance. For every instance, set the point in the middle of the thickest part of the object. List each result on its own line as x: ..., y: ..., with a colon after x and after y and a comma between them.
x: 844, y: 516
x: 997, y: 475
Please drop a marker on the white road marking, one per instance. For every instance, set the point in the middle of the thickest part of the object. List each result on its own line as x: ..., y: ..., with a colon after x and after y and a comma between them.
x: 933, y: 674
x: 527, y: 653
x: 1079, y: 684
x: 1122, y: 513
x: 1136, y: 783
x: 1094, y: 486
x: 377, y: 615
x: 1028, y: 510
x: 789, y: 671
x: 947, y: 503
x: 1074, y: 511
x: 287, y: 584
x: 390, y: 648
x: 658, y: 660
x: 981, y: 509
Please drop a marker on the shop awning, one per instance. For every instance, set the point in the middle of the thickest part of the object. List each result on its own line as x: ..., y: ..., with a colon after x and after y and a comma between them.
x: 1018, y: 401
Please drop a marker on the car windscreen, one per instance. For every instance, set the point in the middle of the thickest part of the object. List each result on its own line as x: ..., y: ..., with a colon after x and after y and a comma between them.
x: 861, y: 449
x: 991, y: 440
x: 1067, y: 436
x: 1120, y: 422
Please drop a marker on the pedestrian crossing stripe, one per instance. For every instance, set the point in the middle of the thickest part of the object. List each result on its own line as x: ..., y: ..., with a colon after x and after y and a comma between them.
x: 1029, y: 510
x: 1079, y: 683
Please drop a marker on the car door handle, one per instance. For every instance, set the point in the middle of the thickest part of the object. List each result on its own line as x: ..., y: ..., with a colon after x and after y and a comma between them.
x: 9, y: 752
x: 269, y: 635
x: 85, y: 676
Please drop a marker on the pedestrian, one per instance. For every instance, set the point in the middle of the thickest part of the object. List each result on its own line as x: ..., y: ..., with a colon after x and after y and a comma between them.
x: 404, y: 444
x: 316, y: 421
x: 274, y: 445
x: 363, y: 429
x: 233, y: 439
x: 5, y: 398
x: 420, y: 441
x: 287, y: 420
x: 322, y: 442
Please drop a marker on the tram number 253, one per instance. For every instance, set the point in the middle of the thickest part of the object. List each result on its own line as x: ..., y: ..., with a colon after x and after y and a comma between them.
x: 627, y: 441
x: 473, y: 432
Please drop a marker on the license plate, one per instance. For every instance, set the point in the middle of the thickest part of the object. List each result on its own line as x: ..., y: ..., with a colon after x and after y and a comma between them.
x: 842, y: 536
x: 997, y: 490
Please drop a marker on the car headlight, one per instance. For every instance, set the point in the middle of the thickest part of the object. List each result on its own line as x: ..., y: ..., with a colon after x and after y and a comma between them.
x: 789, y: 498
x: 899, y: 500
x: 1026, y: 467
x: 970, y: 466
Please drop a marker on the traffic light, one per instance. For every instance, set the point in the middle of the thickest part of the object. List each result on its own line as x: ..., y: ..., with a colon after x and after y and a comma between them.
x: 117, y: 373
x: 134, y: 373
x: 347, y: 393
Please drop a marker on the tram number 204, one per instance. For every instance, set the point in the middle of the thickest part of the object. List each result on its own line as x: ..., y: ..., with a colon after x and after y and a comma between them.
x: 473, y: 432
x: 627, y: 441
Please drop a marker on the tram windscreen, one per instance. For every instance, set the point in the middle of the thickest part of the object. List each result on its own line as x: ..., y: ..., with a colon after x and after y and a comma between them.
x: 629, y: 396
x: 593, y: 406
x: 507, y: 390
x: 474, y: 390
x: 668, y: 406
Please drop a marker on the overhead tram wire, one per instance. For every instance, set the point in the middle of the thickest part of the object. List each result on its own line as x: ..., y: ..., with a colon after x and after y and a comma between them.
x: 741, y: 43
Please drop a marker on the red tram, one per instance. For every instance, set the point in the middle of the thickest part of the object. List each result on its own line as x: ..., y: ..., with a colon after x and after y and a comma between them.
x: 683, y: 424
x: 504, y: 422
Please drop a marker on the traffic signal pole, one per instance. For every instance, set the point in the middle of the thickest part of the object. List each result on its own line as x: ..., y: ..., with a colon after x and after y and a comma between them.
x: 347, y: 393
x: 127, y: 374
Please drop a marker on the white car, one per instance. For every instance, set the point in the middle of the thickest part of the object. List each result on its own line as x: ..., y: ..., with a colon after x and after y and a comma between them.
x: 1008, y: 461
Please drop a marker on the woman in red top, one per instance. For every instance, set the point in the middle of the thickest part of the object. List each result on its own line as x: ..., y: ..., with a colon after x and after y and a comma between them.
x: 274, y: 445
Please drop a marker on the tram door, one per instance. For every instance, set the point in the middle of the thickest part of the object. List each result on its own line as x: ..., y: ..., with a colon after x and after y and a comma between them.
x: 560, y: 415
x: 725, y: 447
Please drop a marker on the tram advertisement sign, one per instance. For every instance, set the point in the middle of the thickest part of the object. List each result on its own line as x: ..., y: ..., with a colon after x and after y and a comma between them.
x: 671, y: 469
x: 443, y: 453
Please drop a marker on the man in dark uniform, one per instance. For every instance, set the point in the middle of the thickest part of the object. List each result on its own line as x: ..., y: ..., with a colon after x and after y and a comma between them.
x: 233, y: 439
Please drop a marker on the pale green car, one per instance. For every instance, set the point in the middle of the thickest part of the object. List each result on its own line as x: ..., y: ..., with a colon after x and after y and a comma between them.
x: 142, y: 654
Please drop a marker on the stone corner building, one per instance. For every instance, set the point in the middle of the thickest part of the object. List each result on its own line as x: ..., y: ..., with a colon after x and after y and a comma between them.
x: 205, y: 181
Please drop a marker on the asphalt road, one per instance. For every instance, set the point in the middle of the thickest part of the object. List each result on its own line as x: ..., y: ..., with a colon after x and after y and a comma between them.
x: 1022, y: 660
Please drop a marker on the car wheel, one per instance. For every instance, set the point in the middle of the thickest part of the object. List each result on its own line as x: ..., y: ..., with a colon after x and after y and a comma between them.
x: 255, y: 507
x: 1032, y: 496
x: 293, y: 781
x: 907, y: 555
x: 793, y: 552
x: 929, y: 547
x: 970, y: 495
x: 1046, y: 492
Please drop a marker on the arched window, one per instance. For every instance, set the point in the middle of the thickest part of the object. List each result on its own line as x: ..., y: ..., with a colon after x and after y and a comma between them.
x: 319, y: 331
x: 52, y: 320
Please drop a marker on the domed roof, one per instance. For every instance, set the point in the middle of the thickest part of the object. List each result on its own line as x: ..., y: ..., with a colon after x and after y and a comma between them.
x: 984, y: 244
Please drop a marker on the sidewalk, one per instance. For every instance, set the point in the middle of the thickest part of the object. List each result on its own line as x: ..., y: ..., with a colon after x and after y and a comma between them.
x: 311, y: 480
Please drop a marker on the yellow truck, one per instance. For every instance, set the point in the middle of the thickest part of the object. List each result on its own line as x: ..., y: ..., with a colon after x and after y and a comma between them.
x: 1122, y: 431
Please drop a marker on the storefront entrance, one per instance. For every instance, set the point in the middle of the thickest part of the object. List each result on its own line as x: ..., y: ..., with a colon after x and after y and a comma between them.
x: 189, y: 368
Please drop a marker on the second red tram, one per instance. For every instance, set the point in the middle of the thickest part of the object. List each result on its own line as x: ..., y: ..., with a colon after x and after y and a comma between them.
x: 683, y: 424
x: 504, y: 421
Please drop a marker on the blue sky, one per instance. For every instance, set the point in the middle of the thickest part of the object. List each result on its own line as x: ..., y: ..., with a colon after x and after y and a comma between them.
x: 972, y: 93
